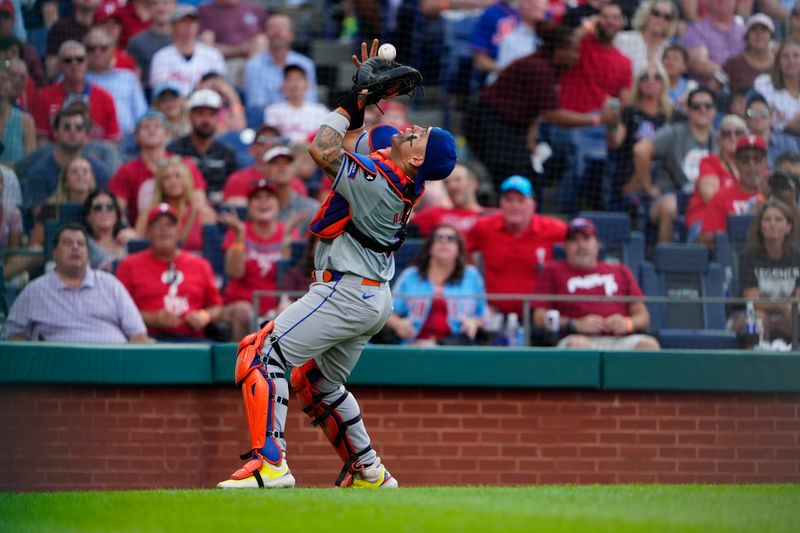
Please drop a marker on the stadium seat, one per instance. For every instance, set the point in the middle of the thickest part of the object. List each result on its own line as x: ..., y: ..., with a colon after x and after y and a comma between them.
x: 622, y: 244
x: 137, y: 245
x: 212, y: 248
x: 406, y: 255
x: 254, y: 115
x: 724, y: 254
x: 738, y: 227
x: 684, y: 272
x: 70, y: 212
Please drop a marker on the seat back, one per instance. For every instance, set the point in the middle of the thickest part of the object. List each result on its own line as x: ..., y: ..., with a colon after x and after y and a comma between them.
x: 406, y: 255
x: 619, y: 242
x: 137, y: 245
x: 212, y: 248
x: 738, y: 227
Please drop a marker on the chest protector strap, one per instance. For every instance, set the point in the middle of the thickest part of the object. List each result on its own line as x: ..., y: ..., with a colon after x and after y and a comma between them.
x: 335, y: 217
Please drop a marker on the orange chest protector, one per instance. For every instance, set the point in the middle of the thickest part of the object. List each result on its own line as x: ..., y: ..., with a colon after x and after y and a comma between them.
x: 335, y: 215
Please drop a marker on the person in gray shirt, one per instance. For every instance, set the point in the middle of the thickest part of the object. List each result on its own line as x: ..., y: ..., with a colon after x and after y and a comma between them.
x: 679, y: 148
x: 75, y: 303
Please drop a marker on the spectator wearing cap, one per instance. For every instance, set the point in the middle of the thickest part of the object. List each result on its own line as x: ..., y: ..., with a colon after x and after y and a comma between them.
x: 108, y: 18
x: 122, y: 84
x: 296, y: 210
x: 296, y: 118
x: 758, y: 117
x: 757, y: 58
x: 711, y: 40
x: 167, y: 99
x: 263, y: 74
x: 71, y: 128
x: 751, y: 162
x: 29, y: 54
x: 231, y: 115
x: 82, y: 304
x: 215, y: 160
x: 785, y: 187
x: 514, y: 243
x: 74, y: 87
x: 252, y: 250
x: 174, y: 290
x: 133, y: 182
x: 68, y: 29
x: 679, y: 147
x: 462, y: 190
x: 186, y: 60
x: 233, y: 27
x: 238, y: 184
x: 781, y: 88
x: 594, y: 323
x: 143, y: 46
x: 173, y: 185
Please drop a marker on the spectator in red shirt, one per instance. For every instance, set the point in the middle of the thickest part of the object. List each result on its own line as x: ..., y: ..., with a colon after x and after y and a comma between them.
x: 602, y: 79
x: 514, y: 243
x: 73, y: 87
x: 462, y: 189
x: 109, y: 19
x: 134, y: 17
x: 751, y: 162
x: 593, y: 323
x: 252, y: 251
x: 174, y: 290
x: 133, y: 183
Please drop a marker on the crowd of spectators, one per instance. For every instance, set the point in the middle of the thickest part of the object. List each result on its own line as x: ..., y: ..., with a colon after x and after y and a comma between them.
x: 130, y: 118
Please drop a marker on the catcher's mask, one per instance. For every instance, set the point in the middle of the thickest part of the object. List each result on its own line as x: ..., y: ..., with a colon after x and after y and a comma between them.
x: 440, y: 156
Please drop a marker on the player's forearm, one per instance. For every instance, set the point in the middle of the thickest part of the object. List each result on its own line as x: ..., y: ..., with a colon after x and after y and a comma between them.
x: 327, y: 150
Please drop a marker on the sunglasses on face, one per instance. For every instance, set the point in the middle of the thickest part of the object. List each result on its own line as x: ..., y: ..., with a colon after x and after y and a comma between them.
x: 707, y: 106
x: 661, y: 14
x: 750, y: 158
x: 73, y: 59
x: 268, y: 139
x: 445, y: 238
x: 655, y: 76
x: 70, y: 126
x: 732, y: 133
x: 757, y: 113
x: 100, y: 207
x: 98, y: 48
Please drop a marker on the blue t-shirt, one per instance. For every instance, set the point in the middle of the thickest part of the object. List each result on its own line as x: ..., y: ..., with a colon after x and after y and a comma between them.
x: 495, y: 23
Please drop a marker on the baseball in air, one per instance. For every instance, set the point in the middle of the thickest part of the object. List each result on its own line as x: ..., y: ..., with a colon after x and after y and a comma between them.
x: 387, y: 52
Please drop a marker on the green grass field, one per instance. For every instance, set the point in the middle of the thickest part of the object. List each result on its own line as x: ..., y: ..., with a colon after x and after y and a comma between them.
x: 622, y: 508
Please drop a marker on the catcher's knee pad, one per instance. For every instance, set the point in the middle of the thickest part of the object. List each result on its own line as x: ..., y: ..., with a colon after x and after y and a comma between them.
x: 261, y: 381
x: 325, y: 414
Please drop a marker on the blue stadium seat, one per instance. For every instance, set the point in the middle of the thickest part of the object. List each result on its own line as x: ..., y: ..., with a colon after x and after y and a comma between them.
x: 738, y: 227
x: 137, y: 245
x: 254, y: 115
x: 622, y: 244
x: 212, y: 248
x: 725, y: 255
x: 684, y: 272
x: 406, y: 255
x: 70, y: 212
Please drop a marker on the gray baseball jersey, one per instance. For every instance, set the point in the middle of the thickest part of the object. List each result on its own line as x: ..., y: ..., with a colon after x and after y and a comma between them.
x: 377, y: 211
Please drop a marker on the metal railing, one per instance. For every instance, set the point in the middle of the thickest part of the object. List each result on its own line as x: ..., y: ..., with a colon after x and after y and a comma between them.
x: 528, y: 299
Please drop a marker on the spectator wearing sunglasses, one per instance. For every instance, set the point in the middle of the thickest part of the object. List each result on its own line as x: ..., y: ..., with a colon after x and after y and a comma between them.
x: 74, y: 87
x: 108, y: 236
x: 679, y: 148
x: 751, y: 163
x: 758, y: 116
x: 440, y: 297
x: 654, y: 25
x: 717, y: 172
x: 757, y: 58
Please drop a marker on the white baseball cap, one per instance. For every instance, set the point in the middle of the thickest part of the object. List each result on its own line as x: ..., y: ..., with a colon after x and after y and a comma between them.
x: 205, y: 98
x: 277, y: 151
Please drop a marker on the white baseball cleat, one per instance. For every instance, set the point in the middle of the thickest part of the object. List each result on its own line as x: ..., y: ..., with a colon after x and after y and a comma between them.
x: 258, y: 473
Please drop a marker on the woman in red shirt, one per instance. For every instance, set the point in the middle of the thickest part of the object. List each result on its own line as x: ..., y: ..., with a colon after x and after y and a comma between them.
x: 174, y: 185
x: 252, y: 251
x: 717, y: 172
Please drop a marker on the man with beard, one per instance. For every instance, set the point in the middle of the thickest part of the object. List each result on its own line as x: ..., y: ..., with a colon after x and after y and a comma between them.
x: 593, y: 323
x: 601, y: 79
x: 215, y: 160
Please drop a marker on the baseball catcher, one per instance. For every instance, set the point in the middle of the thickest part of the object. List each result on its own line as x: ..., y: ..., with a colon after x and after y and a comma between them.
x: 378, y: 177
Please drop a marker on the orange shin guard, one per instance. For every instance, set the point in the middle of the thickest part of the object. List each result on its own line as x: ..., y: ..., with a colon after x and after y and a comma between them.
x: 323, y: 414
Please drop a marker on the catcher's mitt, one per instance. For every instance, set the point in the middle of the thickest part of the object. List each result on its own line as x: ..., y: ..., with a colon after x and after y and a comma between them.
x: 383, y: 79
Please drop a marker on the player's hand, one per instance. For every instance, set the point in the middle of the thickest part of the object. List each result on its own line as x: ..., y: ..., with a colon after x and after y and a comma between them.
x: 197, y: 319
x: 373, y: 51
x: 590, y: 325
x: 167, y: 320
x: 617, y: 325
x: 404, y: 328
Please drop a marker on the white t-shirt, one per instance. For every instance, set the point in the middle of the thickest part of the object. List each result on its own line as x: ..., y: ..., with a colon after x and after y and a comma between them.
x: 168, y: 65
x: 784, y: 105
x: 295, y: 123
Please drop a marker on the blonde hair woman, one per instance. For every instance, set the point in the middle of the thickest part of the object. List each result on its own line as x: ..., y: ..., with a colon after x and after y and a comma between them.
x: 654, y: 24
x: 174, y: 185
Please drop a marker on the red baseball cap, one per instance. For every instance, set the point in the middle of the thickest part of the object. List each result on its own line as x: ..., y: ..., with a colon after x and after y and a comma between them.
x: 581, y: 225
x: 751, y: 141
x: 107, y: 11
x: 162, y: 209
x: 261, y: 185
x: 7, y: 5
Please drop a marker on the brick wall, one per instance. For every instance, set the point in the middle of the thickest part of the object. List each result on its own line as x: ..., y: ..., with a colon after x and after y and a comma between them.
x: 81, y: 437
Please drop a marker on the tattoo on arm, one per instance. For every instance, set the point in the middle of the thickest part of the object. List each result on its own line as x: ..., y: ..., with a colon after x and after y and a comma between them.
x: 328, y: 144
